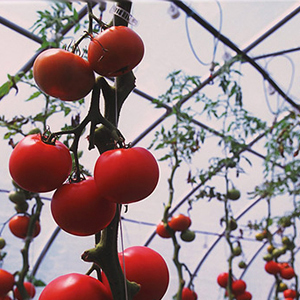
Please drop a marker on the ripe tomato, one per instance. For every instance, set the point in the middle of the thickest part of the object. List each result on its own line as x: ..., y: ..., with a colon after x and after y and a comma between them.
x: 75, y: 287
x: 180, y: 222
x: 222, y: 279
x: 162, y: 231
x: 79, y: 209
x: 62, y: 74
x: 29, y: 287
x: 244, y: 296
x: 287, y: 273
x: 126, y: 175
x: 272, y: 267
x: 188, y: 294
x: 147, y: 268
x: 7, y: 281
x: 19, y: 224
x: 6, y: 297
x: 238, y: 287
x: 115, y: 51
x: 289, y: 293
x: 39, y: 167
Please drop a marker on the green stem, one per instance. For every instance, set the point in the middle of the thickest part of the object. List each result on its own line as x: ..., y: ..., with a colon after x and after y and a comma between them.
x: 105, y: 255
x: 25, y: 250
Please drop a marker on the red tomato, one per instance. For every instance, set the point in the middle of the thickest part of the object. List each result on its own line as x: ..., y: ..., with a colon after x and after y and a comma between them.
x: 287, y: 273
x: 62, y: 74
x: 222, y: 279
x: 39, y: 167
x: 272, y: 267
x: 188, y: 294
x: 75, y: 287
x: 79, y: 209
x: 180, y: 222
x: 19, y: 224
x: 115, y: 51
x: 239, y: 287
x: 162, y: 231
x: 147, y: 268
x: 29, y: 287
x: 6, y: 297
x: 126, y: 175
x: 7, y: 281
x: 244, y: 296
x: 289, y: 293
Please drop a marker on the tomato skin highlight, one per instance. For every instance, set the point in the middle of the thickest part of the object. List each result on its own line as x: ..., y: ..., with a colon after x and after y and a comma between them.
x: 39, y: 167
x: 79, y: 209
x: 19, y: 224
x: 63, y: 74
x: 7, y: 282
x: 75, y: 286
x: 115, y: 51
x: 126, y: 175
x: 146, y: 267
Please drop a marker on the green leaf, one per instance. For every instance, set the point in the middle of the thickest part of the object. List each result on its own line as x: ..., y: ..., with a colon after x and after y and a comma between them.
x: 5, y: 88
x: 34, y: 95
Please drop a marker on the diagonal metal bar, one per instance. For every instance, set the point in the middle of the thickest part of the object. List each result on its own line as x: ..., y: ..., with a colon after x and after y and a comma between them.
x: 243, y: 54
x: 20, y: 30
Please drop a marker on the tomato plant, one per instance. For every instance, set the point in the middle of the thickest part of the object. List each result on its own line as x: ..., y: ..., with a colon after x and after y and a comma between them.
x: 37, y: 166
x: 115, y: 51
x: 126, y: 175
x: 19, y: 225
x: 7, y: 281
x: 75, y: 286
x: 180, y: 222
x: 188, y: 294
x: 78, y: 208
x: 30, y: 289
x: 63, y: 74
x: 147, y: 268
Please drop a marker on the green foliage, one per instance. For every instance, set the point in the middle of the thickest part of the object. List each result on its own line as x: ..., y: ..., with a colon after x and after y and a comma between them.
x: 50, y: 23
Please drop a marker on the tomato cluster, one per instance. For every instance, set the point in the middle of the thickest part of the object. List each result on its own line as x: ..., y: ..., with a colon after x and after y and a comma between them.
x: 179, y: 223
x: 69, y: 77
x: 238, y: 286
